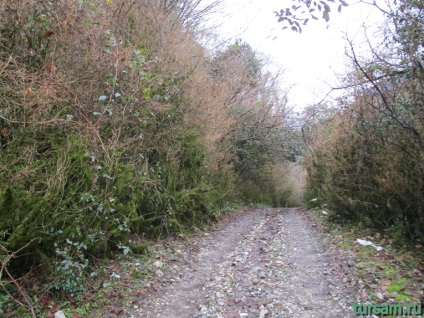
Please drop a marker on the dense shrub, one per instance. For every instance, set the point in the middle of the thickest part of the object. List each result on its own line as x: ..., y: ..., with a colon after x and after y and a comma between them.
x: 114, y: 125
x: 366, y: 157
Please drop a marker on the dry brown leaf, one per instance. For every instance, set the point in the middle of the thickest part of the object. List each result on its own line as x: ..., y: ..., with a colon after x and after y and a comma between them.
x: 51, y: 67
x: 49, y: 314
x: 4, y: 132
x: 45, y: 300
x: 27, y: 91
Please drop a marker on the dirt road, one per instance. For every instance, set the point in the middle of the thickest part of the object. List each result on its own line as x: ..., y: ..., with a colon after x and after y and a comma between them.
x: 262, y: 263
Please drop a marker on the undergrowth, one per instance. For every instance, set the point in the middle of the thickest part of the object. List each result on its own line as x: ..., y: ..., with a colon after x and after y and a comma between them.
x: 392, y: 275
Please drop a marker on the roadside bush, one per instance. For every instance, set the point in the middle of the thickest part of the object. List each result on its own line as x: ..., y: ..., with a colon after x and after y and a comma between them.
x: 95, y: 138
x: 365, y: 157
x: 112, y: 127
x: 367, y: 169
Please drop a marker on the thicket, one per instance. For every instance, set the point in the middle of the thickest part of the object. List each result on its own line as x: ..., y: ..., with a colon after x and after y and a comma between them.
x: 365, y: 157
x: 261, y: 138
x: 117, y: 125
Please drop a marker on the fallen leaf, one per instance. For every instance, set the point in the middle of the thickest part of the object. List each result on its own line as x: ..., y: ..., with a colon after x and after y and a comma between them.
x: 51, y: 67
x: 88, y: 295
x: 118, y: 311
x: 4, y: 132
x: 140, y: 292
x: 45, y: 300
x: 76, y: 315
x: 56, y: 307
x: 27, y: 91
x: 49, y: 314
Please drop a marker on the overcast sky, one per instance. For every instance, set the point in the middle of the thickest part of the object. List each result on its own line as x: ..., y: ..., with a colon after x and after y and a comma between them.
x: 309, y: 59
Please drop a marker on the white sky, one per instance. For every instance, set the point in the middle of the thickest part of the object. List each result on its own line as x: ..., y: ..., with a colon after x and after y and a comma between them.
x: 311, y: 58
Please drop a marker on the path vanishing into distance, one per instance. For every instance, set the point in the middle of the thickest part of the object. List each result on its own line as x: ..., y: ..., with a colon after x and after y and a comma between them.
x: 258, y: 263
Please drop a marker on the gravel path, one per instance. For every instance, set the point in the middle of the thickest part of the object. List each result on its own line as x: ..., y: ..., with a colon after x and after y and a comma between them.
x: 263, y: 263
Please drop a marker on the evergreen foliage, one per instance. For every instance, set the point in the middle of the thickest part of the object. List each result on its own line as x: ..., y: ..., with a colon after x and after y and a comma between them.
x: 112, y: 127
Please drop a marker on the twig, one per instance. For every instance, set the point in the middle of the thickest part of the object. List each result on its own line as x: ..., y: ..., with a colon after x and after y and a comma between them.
x: 33, y: 122
x: 7, y: 63
x: 79, y: 111
x: 31, y: 307
x: 115, y: 77
x: 384, y: 99
x: 3, y: 267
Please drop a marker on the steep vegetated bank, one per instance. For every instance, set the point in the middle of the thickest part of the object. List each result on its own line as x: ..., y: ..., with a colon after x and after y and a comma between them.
x: 117, y: 125
x: 365, y: 157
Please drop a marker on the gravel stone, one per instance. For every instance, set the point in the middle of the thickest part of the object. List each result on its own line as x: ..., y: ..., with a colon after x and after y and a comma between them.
x: 265, y: 263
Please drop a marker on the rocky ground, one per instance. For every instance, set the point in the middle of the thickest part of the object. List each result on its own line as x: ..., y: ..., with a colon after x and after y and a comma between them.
x: 263, y: 263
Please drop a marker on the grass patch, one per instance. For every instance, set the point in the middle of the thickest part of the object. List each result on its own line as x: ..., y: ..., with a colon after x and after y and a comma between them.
x: 397, y: 285
x: 394, y: 288
x: 366, y: 250
x: 403, y: 297
x: 390, y: 272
